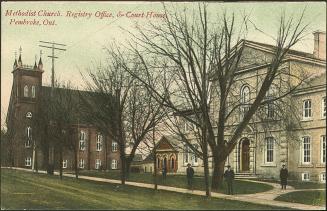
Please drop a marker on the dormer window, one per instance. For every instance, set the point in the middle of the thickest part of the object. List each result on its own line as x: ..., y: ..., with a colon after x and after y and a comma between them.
x: 29, y: 115
x: 33, y: 91
x: 25, y: 91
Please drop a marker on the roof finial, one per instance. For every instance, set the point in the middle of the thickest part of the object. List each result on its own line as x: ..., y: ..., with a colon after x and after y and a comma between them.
x: 40, y: 66
x: 35, y: 62
x: 15, y: 63
x: 20, y: 63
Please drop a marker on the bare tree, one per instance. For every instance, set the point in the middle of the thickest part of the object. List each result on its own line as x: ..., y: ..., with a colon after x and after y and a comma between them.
x: 205, y: 66
x: 55, y: 121
x: 124, y: 110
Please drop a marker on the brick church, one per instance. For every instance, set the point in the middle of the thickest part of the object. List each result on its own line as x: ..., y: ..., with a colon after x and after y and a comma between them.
x: 29, y: 149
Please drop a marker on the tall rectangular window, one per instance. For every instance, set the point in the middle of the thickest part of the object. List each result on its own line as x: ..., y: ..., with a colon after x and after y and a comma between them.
x: 194, y: 157
x: 269, y: 150
x: 99, y: 142
x: 29, y: 132
x: 28, y: 143
x: 323, y: 177
x: 82, y: 141
x: 81, y: 163
x: 97, y: 163
x: 114, y: 146
x: 323, y: 149
x: 270, y: 111
x: 33, y: 91
x: 307, y: 111
x: 306, y: 151
x: 323, y: 108
x: 64, y: 164
x: 28, y: 161
x: 186, y: 154
x: 28, y: 140
x: 114, y: 164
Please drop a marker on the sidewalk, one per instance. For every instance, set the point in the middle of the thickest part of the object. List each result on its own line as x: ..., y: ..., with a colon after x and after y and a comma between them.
x: 265, y: 198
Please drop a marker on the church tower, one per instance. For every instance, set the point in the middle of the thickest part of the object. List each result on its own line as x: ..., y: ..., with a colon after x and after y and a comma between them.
x: 23, y: 105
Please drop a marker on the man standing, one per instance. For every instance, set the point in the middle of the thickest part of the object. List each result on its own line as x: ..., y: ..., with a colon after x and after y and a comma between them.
x: 283, y: 176
x: 189, y: 174
x: 229, y: 176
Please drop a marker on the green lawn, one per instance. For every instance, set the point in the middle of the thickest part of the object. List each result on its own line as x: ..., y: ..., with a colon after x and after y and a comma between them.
x: 305, y: 197
x: 240, y: 187
x: 26, y: 190
x: 298, y: 184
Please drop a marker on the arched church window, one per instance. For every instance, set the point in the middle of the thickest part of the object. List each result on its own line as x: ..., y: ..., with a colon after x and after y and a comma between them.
x: 245, y: 100
x: 29, y: 132
x: 25, y: 91
x: 172, y: 163
x: 245, y: 94
x: 33, y: 91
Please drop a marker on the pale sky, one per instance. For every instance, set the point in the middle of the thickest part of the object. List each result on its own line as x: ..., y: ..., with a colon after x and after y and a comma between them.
x: 85, y: 37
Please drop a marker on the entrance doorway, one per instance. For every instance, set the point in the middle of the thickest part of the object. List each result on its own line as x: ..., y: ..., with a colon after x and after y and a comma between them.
x: 245, y: 157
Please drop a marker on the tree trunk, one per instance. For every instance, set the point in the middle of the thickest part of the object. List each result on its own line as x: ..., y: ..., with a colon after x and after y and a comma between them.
x: 60, y: 161
x: 218, y: 174
x: 36, y: 163
x: 75, y: 164
x: 206, y: 170
x: 127, y: 167
x: 123, y: 169
x: 155, y: 171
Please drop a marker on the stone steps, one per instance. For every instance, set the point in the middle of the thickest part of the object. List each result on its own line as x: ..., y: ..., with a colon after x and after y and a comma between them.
x: 246, y: 175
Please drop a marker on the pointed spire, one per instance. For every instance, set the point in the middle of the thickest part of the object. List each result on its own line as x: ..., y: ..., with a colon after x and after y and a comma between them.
x: 15, y: 63
x: 40, y: 66
x: 20, y: 63
x: 35, y: 62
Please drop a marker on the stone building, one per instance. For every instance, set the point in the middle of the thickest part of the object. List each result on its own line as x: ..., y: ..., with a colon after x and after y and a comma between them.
x: 268, y: 142
x: 32, y: 150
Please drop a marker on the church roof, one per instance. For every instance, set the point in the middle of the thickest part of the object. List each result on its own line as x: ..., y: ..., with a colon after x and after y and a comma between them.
x: 74, y: 98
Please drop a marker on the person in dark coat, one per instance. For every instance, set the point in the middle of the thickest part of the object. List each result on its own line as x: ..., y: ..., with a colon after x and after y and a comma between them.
x: 189, y: 174
x: 283, y: 176
x: 229, y: 177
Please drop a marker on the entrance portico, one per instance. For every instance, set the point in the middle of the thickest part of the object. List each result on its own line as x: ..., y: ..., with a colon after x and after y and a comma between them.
x: 244, y: 155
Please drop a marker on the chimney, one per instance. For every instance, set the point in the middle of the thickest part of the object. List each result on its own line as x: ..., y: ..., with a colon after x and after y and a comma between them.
x: 319, y: 50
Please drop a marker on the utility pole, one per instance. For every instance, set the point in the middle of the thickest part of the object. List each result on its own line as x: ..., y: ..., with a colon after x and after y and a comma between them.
x: 53, y: 47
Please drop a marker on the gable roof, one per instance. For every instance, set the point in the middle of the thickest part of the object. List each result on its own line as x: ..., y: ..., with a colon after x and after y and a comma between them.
x: 149, y: 158
x: 70, y: 96
x: 172, y: 141
x: 137, y: 158
x: 259, y: 45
